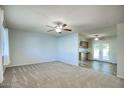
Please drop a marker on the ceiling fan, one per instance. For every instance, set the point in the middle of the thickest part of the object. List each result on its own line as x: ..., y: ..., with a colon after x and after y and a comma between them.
x: 59, y: 27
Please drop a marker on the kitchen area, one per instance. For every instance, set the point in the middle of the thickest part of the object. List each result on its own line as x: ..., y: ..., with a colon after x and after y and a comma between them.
x: 84, y: 52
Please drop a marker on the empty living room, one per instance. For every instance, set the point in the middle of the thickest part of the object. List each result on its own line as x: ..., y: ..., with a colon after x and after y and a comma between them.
x: 61, y: 46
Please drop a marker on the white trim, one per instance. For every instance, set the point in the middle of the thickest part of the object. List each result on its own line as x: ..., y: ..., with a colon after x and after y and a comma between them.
x: 122, y: 77
x: 29, y: 62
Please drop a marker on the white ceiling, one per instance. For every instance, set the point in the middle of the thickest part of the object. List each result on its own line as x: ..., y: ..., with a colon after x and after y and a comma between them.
x: 81, y: 18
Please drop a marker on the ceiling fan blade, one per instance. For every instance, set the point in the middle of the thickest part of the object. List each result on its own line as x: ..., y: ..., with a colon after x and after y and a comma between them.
x: 50, y: 30
x: 64, y: 25
x: 50, y: 26
x: 67, y: 29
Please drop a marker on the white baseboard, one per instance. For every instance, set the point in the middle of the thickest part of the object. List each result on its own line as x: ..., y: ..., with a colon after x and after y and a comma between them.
x: 120, y: 76
x: 69, y: 62
x: 29, y: 63
x: 102, y: 61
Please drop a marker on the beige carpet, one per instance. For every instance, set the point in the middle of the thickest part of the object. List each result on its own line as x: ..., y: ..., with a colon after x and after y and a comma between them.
x: 57, y: 74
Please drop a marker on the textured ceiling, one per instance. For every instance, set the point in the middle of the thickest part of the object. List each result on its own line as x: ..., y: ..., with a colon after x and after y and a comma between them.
x: 81, y: 18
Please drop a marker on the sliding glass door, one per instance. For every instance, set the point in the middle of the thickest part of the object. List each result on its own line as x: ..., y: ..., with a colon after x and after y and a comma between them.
x: 101, y: 51
x: 105, y: 52
x: 96, y: 52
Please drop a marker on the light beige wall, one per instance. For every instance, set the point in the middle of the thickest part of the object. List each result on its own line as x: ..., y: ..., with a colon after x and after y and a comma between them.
x: 120, y: 53
x: 82, y: 37
x: 68, y: 49
x: 28, y: 47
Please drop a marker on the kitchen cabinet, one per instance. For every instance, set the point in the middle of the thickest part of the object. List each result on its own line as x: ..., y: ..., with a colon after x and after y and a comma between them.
x: 83, y: 44
x: 83, y: 53
x: 83, y: 56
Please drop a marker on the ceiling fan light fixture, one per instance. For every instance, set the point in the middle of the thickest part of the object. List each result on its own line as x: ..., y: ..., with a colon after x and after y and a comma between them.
x: 96, y: 38
x: 58, y: 30
x: 60, y: 26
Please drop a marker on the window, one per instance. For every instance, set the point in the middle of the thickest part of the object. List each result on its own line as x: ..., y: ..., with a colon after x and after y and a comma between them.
x: 5, y: 46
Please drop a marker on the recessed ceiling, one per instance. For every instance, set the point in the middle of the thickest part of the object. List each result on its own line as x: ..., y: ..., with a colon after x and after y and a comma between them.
x: 81, y: 18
